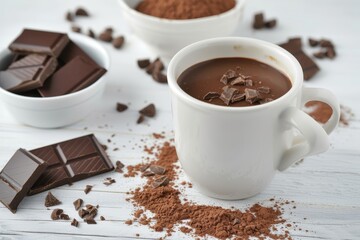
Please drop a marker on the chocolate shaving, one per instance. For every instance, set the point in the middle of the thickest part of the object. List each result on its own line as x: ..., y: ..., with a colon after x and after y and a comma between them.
x: 74, y: 223
x: 211, y: 95
x: 81, y: 12
x: 120, y: 107
x: 88, y: 188
x: 161, y: 181
x: 227, y: 94
x: 118, y: 42
x: 148, y: 111
x: 264, y: 89
x: 51, y: 200
x: 144, y: 167
x: 251, y: 95
x: 55, y: 215
x: 159, y: 170
x: 143, y: 63
x: 78, y: 203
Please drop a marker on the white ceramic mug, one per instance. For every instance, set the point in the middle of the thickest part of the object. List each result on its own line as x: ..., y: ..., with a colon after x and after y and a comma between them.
x: 234, y: 152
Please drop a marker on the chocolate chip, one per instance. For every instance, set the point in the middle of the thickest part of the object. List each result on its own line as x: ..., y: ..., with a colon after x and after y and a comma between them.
x: 64, y: 216
x: 74, y: 223
x: 313, y: 42
x: 148, y: 111
x: 159, y: 170
x: 118, y: 42
x: 51, y: 200
x: 251, y: 95
x: 55, y: 215
x: 238, y: 81
x: 264, y: 89
x: 106, y: 36
x: 81, y: 12
x: 248, y: 83
x: 78, y: 203
x: 238, y: 97
x: 102, y: 218
x: 161, y: 181
x: 120, y: 107
x: 88, y: 188
x: 320, y: 54
x: 270, y: 23
x: 69, y: 17
x: 211, y: 95
x: 227, y: 94
x: 143, y: 63
x: 330, y: 53
x: 91, y: 33
x: 75, y: 28
x: 140, y: 119
x: 258, y: 21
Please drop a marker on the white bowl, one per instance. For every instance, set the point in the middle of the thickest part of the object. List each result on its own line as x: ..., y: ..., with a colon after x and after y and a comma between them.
x: 54, y: 112
x: 165, y: 37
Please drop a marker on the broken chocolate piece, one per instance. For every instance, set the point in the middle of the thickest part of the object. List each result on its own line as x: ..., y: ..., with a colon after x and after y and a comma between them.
x: 102, y: 218
x: 330, y: 53
x: 313, y: 42
x: 160, y: 181
x: 120, y: 107
x: 159, y: 77
x: 108, y: 181
x: 159, y: 170
x: 270, y: 24
x: 148, y: 174
x: 55, y: 215
x: 118, y: 42
x: 69, y: 17
x: 238, y: 97
x: 83, y: 213
x: 64, y: 216
x: 91, y: 33
x: 263, y: 89
x: 51, y: 200
x: 227, y: 94
x: 88, y: 189
x: 81, y: 12
x: 106, y: 36
x: 90, y: 221
x: 119, y: 167
x: 320, y: 54
x: 258, y: 21
x: 211, y: 95
x: 326, y: 43
x: 76, y: 29
x: 148, y: 111
x: 78, y: 203
x: 140, y: 119
x: 251, y: 95
x: 74, y: 223
x: 143, y: 63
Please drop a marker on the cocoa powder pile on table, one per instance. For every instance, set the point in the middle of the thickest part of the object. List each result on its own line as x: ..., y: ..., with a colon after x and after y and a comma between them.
x: 184, y: 9
x: 170, y: 213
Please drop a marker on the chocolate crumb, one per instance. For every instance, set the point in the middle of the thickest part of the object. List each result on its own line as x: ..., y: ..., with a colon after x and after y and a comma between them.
x: 320, y: 54
x: 102, y: 218
x: 270, y: 24
x: 313, y: 42
x: 129, y: 222
x: 148, y: 111
x: 81, y: 12
x: 51, y: 200
x: 88, y: 189
x: 74, y: 223
x: 78, y: 203
x: 76, y: 29
x: 143, y: 63
x: 258, y: 21
x: 55, y: 215
x: 140, y: 119
x: 106, y: 36
x: 108, y: 181
x: 118, y: 42
x: 211, y: 95
x: 69, y: 17
x: 91, y: 33
x: 90, y: 221
x: 326, y: 43
x: 119, y: 166
x: 120, y: 107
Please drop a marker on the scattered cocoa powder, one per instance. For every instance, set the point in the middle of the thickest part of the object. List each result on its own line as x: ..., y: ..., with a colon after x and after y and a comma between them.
x: 200, y: 220
x: 184, y: 9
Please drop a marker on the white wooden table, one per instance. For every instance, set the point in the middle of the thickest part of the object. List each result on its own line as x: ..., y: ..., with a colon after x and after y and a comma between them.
x: 325, y: 187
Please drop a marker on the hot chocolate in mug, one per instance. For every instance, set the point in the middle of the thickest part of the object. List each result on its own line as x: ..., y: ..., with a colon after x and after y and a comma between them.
x: 234, y: 152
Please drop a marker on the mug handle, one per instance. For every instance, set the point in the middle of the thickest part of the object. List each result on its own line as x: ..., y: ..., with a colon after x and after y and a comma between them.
x: 314, y: 136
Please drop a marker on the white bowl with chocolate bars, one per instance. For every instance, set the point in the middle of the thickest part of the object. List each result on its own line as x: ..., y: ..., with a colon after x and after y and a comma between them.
x: 52, y: 83
x: 165, y: 37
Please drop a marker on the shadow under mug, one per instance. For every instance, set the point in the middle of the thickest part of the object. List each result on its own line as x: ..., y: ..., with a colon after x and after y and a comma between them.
x: 234, y: 152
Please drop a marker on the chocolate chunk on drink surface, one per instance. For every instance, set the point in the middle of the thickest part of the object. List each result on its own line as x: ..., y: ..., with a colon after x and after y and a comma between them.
x: 149, y: 110
x: 118, y: 42
x: 230, y: 74
x: 70, y: 161
x: 36, y: 41
x: 120, y: 107
x: 73, y: 76
x: 227, y: 94
x: 238, y: 97
x: 264, y: 89
x: 251, y: 95
x: 143, y: 63
x: 28, y: 73
x: 18, y: 176
x: 211, y: 95
x: 238, y: 81
x: 51, y: 200
x: 258, y: 21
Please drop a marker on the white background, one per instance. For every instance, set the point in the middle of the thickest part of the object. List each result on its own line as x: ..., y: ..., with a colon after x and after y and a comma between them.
x: 325, y: 187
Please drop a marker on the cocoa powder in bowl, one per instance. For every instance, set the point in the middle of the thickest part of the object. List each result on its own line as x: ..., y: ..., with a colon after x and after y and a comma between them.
x: 184, y: 9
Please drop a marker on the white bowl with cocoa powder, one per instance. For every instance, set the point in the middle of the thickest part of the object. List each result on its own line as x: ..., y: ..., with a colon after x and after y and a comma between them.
x: 165, y: 37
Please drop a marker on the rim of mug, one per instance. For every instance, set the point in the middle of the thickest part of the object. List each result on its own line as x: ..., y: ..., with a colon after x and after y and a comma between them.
x: 296, y: 83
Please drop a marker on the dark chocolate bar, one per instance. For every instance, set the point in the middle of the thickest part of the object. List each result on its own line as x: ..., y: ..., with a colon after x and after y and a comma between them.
x: 18, y: 176
x: 70, y: 161
x: 30, y: 72
x: 35, y: 41
x: 75, y: 75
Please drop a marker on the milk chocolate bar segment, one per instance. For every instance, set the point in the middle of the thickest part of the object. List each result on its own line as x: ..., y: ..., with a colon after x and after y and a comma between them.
x: 17, y: 177
x: 70, y: 161
x: 35, y: 41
